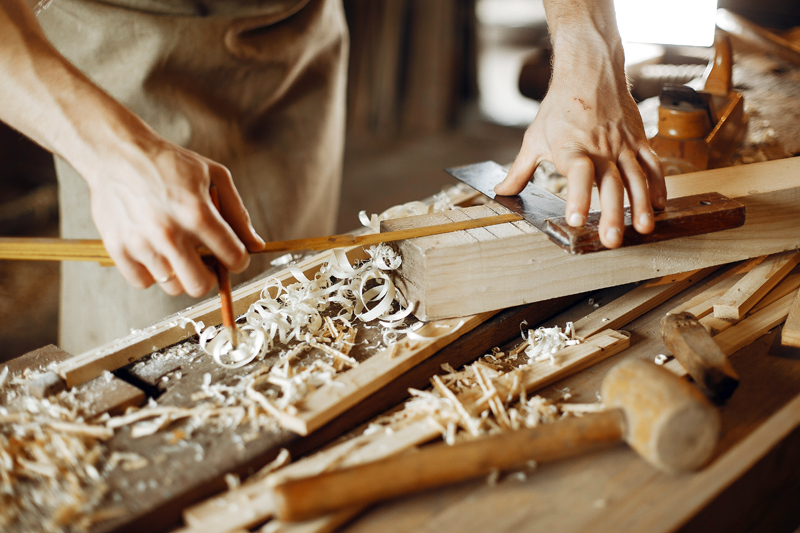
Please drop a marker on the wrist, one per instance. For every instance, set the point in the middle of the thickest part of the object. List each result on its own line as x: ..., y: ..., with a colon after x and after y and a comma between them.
x: 586, y: 42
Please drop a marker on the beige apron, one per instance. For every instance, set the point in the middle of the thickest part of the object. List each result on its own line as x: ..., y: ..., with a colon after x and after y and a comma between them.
x: 262, y: 94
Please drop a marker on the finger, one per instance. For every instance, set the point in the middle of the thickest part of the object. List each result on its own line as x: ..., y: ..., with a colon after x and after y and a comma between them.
x: 611, y: 205
x: 522, y: 169
x: 635, y: 181
x: 655, y: 175
x: 163, y: 274
x: 212, y: 231
x: 580, y: 176
x: 193, y: 275
x: 133, y: 271
x: 233, y: 210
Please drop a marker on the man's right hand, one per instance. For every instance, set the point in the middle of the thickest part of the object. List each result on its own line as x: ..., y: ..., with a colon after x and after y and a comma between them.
x: 150, y: 199
x: 153, y: 210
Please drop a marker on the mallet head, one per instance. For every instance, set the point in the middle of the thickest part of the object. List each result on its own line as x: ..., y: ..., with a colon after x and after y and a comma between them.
x: 668, y: 421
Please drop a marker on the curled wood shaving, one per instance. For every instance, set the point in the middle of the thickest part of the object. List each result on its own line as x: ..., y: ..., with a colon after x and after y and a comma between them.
x: 295, y: 312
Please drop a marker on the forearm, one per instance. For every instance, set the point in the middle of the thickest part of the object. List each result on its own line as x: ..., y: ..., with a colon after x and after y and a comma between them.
x: 586, y: 41
x: 49, y: 100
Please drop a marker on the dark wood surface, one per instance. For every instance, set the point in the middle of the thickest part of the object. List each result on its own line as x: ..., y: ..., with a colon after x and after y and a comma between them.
x: 683, y: 217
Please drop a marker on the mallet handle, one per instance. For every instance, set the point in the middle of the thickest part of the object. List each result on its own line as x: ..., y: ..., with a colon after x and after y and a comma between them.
x: 441, y: 464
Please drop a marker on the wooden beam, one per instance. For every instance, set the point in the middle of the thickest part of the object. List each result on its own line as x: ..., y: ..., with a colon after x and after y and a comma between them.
x: 754, y: 285
x: 465, y: 273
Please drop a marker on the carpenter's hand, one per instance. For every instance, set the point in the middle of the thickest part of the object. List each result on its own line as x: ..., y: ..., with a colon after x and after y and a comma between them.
x: 153, y: 210
x: 589, y: 127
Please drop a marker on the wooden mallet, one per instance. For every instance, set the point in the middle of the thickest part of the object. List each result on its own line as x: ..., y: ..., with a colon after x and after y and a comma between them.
x: 698, y: 353
x: 664, y: 418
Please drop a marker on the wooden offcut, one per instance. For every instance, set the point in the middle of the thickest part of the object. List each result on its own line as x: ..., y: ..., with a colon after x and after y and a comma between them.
x: 754, y: 285
x: 509, y: 264
x: 790, y: 335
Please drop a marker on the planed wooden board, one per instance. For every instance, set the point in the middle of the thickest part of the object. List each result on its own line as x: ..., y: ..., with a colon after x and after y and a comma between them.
x: 470, y: 272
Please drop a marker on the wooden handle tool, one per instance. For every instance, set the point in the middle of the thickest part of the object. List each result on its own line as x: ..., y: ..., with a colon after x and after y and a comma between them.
x: 664, y: 418
x: 44, y: 249
x: 692, y: 345
x: 224, y: 282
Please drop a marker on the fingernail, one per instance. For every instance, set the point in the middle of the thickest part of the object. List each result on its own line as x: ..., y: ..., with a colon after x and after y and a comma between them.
x: 614, y: 236
x: 661, y: 203
x: 645, y: 219
x: 576, y: 220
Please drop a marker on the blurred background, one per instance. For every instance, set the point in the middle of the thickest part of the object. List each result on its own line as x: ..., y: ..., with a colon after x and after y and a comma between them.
x: 432, y: 83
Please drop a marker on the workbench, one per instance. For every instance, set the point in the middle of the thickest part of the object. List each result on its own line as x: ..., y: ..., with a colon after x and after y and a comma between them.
x: 751, y: 484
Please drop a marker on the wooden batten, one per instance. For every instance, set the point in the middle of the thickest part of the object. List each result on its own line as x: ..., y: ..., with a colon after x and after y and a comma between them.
x: 473, y: 271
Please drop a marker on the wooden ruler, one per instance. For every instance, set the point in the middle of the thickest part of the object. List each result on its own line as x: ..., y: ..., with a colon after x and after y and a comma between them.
x: 44, y: 249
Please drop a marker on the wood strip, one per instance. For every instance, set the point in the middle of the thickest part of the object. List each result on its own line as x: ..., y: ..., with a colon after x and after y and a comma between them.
x: 790, y: 336
x: 754, y: 285
x: 449, y: 278
x: 357, y: 383
x: 533, y: 377
x: 748, y: 330
x: 635, y: 303
x: 791, y: 283
x: 702, y: 304
x: 31, y: 248
x: 105, y: 394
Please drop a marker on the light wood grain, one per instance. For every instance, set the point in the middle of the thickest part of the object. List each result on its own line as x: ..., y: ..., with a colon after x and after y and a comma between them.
x: 635, y: 303
x: 81, y: 368
x: 748, y: 330
x: 51, y: 249
x: 702, y: 304
x: 451, y: 275
x: 754, y: 285
x: 253, y: 502
x: 790, y: 336
x: 350, y: 387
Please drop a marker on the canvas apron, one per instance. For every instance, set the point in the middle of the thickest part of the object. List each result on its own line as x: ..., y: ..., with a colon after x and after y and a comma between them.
x: 257, y: 85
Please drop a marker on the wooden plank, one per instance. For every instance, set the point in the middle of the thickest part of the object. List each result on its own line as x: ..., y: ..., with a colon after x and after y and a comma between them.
x: 754, y: 285
x: 450, y: 278
x: 105, y: 394
x: 790, y: 283
x: 790, y: 335
x: 350, y: 387
x: 635, y: 303
x: 114, y: 355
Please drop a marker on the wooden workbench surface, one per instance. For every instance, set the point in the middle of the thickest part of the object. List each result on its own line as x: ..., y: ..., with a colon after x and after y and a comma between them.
x: 751, y: 484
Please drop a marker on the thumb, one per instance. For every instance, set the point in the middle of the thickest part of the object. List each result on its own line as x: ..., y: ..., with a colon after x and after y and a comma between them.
x: 234, y: 212
x: 521, y: 171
